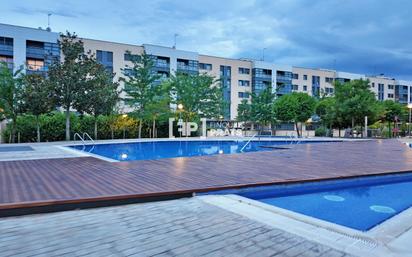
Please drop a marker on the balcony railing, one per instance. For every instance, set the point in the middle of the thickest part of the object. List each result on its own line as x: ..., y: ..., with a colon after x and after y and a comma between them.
x: 35, y: 51
x: 7, y: 48
x: 185, y: 67
x: 161, y: 64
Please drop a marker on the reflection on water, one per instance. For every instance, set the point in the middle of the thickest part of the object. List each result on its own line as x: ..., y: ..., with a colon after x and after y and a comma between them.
x: 172, y: 149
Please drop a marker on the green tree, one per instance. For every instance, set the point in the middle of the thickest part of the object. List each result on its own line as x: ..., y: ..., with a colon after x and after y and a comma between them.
x: 354, y: 101
x: 158, y: 109
x: 244, y: 110
x: 70, y: 77
x: 201, y: 95
x: 10, y: 88
x: 37, y: 98
x: 101, y: 94
x: 262, y: 111
x: 391, y: 112
x: 139, y: 85
x: 295, y: 107
x: 326, y: 110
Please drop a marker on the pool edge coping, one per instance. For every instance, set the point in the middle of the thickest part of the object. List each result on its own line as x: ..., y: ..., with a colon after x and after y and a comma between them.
x: 333, y: 235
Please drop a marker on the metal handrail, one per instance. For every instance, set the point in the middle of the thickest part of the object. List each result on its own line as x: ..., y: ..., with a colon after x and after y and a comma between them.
x: 248, y: 142
x: 90, y: 138
x: 81, y: 138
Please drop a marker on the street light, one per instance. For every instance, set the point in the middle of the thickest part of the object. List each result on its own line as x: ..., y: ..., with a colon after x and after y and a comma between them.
x: 180, y: 108
x: 409, y: 124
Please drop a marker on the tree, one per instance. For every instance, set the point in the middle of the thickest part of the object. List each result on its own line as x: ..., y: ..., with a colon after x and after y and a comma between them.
x: 200, y: 95
x: 391, y: 112
x: 295, y: 107
x: 70, y: 77
x: 101, y: 95
x: 354, y: 101
x: 326, y: 110
x: 37, y: 98
x: 244, y: 111
x: 139, y: 84
x: 158, y: 109
x: 262, y: 108
x: 10, y: 88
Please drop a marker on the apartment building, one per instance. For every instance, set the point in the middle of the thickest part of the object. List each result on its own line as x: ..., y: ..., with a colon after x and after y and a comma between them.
x: 313, y: 81
x: 235, y: 76
x: 34, y: 48
x: 37, y: 48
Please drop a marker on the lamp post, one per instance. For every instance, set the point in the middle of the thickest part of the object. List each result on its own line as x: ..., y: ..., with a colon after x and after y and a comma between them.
x: 409, y: 124
x: 180, y: 108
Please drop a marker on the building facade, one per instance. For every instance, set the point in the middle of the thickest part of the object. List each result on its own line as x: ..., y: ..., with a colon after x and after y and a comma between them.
x: 35, y: 49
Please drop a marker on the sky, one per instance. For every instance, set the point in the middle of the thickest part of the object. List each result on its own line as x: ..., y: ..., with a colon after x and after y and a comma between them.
x: 362, y: 36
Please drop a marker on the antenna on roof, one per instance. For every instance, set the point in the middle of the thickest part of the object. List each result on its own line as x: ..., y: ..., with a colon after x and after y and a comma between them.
x: 263, y: 54
x: 48, y: 22
x: 175, y: 36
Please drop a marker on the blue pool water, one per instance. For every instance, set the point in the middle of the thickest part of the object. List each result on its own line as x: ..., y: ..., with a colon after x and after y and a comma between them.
x: 356, y: 203
x: 172, y: 149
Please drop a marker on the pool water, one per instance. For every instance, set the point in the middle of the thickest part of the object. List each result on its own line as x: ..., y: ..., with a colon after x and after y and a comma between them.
x: 358, y: 203
x: 173, y: 149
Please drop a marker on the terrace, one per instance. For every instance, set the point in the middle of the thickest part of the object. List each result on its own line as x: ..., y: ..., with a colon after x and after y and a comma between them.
x: 34, y: 182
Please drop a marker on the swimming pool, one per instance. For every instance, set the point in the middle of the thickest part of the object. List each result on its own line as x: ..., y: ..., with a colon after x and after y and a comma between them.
x: 173, y: 149
x: 360, y: 203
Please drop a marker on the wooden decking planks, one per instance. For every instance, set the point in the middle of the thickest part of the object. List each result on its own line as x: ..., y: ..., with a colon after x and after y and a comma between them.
x: 75, y: 180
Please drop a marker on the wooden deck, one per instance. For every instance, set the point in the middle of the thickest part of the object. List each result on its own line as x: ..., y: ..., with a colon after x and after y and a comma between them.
x: 70, y: 181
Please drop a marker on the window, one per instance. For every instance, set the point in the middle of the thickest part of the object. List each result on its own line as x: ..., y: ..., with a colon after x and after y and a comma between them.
x: 109, y: 56
x: 225, y: 71
x: 329, y: 90
x: 295, y: 87
x: 305, y: 88
x: 244, y: 83
x: 104, y: 56
x: 205, y: 66
x: 6, y: 41
x: 244, y: 71
x: 243, y: 95
x: 128, y: 72
x: 328, y: 80
x: 34, y: 44
x: 8, y: 60
x: 381, y: 90
x: 390, y: 86
x: 295, y: 76
x: 305, y: 77
x: 390, y: 95
x: 131, y: 57
x: 373, y: 84
x: 99, y: 55
x: 35, y: 64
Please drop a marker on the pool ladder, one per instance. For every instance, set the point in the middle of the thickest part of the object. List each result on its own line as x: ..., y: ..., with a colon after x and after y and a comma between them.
x: 82, y: 138
x: 248, y: 142
x: 294, y: 139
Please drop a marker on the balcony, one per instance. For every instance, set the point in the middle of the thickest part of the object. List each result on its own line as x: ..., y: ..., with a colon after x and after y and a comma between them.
x: 35, y: 52
x: 6, y: 49
x: 161, y: 64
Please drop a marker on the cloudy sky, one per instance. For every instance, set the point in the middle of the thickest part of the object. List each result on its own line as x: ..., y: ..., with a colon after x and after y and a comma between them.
x: 362, y: 36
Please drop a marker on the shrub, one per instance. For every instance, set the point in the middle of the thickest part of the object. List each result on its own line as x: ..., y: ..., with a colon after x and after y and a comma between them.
x: 52, y: 127
x: 321, y: 132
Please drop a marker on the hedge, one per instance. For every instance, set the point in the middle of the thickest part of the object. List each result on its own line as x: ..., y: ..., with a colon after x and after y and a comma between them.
x: 52, y: 127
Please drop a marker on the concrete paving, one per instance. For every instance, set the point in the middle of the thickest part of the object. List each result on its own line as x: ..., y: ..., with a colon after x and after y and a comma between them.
x: 185, y: 227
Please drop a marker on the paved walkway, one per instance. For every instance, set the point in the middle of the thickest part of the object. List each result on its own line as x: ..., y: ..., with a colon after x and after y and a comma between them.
x: 185, y: 227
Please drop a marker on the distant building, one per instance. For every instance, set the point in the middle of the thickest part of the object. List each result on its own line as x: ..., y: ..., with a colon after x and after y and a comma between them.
x: 36, y: 48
